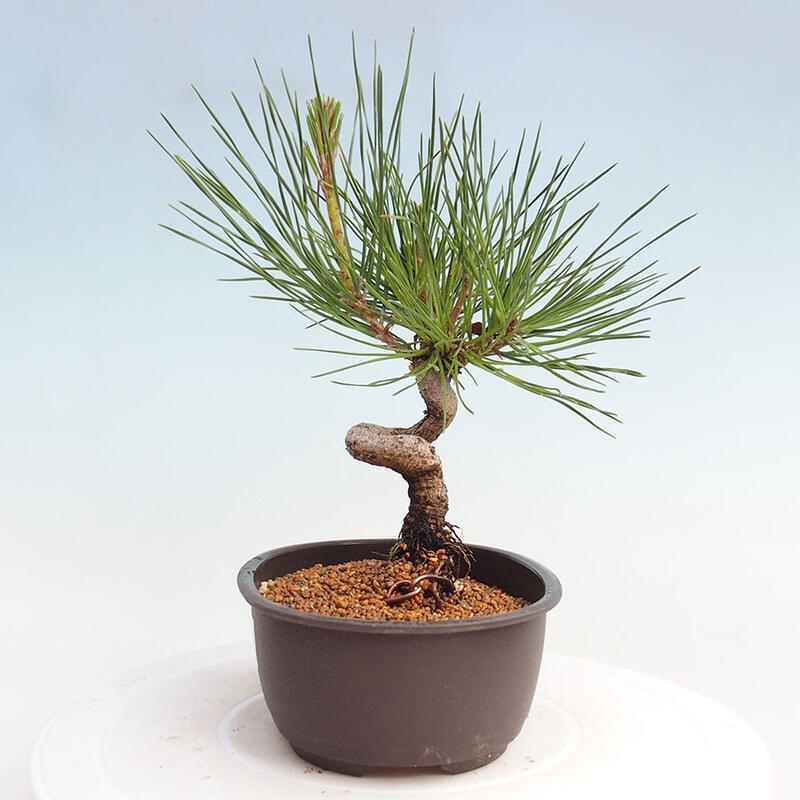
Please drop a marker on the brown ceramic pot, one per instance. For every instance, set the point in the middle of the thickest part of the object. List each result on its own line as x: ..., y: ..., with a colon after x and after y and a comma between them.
x: 355, y: 695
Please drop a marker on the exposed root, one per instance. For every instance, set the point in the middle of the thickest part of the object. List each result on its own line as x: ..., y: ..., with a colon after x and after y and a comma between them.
x: 444, y: 554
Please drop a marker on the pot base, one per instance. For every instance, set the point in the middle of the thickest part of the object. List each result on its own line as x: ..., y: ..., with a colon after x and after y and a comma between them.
x: 359, y: 770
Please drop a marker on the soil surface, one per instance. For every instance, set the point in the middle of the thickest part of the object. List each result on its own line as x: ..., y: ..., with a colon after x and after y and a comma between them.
x: 359, y: 589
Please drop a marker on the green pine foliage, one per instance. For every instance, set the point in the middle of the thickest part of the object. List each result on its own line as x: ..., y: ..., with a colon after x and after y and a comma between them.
x: 476, y: 261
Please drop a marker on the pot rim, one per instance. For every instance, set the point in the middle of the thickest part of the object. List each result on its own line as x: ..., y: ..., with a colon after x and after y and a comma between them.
x: 249, y: 590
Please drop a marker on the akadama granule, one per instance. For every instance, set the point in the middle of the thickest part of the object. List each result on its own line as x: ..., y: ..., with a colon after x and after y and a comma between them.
x: 359, y: 589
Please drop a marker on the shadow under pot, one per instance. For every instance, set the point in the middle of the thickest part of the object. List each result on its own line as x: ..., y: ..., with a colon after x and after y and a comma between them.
x: 353, y: 695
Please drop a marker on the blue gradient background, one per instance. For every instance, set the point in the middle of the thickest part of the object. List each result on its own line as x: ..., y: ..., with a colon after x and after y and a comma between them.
x: 157, y: 428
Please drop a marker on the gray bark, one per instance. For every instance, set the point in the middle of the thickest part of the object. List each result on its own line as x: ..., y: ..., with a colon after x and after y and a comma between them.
x: 409, y: 452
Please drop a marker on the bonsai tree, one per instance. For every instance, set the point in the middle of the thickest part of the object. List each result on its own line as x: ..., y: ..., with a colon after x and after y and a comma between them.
x: 467, y: 261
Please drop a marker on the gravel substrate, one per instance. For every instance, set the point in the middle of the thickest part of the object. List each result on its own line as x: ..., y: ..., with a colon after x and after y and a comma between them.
x: 359, y: 588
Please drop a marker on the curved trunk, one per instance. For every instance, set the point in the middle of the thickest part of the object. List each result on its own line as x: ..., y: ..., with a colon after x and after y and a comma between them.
x: 409, y: 451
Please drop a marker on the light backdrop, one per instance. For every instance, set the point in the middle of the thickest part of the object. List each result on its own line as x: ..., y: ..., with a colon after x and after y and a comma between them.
x: 157, y: 428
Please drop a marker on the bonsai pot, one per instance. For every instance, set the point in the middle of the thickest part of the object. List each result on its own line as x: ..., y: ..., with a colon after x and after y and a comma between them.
x: 354, y: 695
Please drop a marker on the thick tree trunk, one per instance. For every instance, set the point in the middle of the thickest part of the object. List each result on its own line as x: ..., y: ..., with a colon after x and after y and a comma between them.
x: 409, y: 452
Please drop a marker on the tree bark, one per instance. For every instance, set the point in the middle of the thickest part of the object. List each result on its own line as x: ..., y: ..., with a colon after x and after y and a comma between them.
x: 409, y: 452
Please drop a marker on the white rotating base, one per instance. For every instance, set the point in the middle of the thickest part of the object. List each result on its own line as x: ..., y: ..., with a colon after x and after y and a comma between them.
x: 196, y: 727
